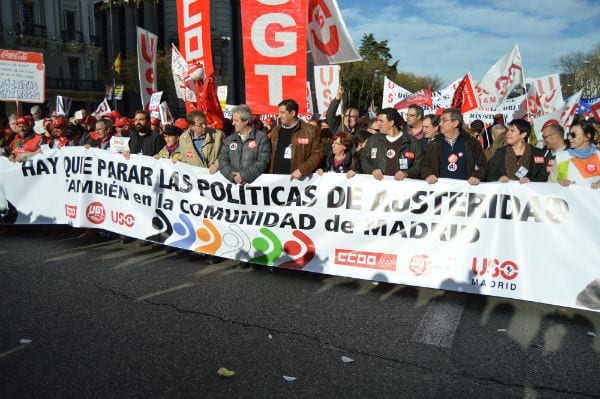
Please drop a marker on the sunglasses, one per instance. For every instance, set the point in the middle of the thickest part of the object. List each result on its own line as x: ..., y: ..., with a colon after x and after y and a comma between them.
x: 572, y: 134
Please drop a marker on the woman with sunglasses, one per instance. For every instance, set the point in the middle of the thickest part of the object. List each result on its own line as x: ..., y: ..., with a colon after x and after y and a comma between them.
x: 581, y: 162
x: 518, y: 160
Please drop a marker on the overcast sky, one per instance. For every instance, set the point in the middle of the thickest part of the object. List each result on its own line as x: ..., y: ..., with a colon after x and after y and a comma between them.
x: 447, y: 38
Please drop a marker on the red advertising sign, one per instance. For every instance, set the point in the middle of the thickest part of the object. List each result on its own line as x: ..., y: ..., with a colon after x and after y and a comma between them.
x: 274, y: 39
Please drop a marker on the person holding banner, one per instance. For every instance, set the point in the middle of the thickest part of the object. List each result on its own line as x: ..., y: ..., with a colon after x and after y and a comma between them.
x: 171, y: 149
x: 337, y: 124
x: 103, y: 131
x: 518, y: 160
x: 338, y: 155
x: 456, y: 154
x: 143, y: 140
x: 391, y: 152
x: 246, y: 154
x: 200, y: 145
x: 581, y: 162
x: 553, y: 135
x: 26, y: 143
x: 296, y: 146
x: 431, y: 129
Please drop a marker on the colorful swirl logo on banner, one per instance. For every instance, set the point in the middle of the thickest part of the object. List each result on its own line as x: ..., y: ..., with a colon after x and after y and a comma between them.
x: 292, y: 254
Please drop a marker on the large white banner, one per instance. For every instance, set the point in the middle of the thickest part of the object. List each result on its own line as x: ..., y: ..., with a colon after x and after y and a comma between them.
x: 535, y: 241
x: 393, y: 93
x: 146, y: 52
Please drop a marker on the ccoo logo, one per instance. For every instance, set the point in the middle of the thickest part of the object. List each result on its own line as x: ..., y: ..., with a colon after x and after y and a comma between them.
x: 95, y: 213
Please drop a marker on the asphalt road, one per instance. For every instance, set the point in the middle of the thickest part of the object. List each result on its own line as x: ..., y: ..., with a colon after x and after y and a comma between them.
x: 96, y: 318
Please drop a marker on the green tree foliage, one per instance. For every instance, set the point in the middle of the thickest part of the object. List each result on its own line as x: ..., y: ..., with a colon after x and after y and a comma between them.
x: 363, y: 80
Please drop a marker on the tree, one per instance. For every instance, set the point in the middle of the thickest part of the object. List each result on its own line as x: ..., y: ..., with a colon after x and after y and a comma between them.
x: 363, y: 80
x: 581, y: 71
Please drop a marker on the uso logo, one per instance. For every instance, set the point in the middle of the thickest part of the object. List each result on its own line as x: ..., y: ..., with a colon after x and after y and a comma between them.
x: 122, y: 219
x: 95, y: 213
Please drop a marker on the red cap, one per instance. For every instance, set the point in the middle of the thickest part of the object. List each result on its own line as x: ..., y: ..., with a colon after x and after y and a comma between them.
x: 122, y: 122
x: 155, y: 121
x: 21, y: 121
x: 550, y: 122
x: 59, y: 122
x: 181, y: 123
x: 115, y: 114
x: 29, y: 118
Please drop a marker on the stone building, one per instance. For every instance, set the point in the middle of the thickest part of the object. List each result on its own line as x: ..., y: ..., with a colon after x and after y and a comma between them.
x: 81, y: 38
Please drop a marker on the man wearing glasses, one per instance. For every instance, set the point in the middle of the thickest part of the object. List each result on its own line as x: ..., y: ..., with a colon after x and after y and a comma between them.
x: 200, y: 145
x: 455, y: 154
x: 553, y: 135
x: 414, y: 121
x: 337, y: 124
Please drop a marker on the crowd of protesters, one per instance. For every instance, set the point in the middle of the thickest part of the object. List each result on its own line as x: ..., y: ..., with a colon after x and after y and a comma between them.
x: 423, y: 146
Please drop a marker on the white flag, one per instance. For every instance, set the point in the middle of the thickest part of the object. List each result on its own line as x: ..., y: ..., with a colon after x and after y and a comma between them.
x: 501, y: 79
x: 328, y: 37
x: 165, y: 113
x: 146, y: 52
x: 63, y: 105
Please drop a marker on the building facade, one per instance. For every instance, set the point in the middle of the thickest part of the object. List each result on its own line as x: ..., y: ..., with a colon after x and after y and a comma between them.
x: 80, y: 40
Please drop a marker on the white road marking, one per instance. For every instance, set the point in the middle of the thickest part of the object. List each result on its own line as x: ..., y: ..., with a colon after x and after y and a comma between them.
x: 157, y: 293
x: 440, y: 322
x: 13, y: 350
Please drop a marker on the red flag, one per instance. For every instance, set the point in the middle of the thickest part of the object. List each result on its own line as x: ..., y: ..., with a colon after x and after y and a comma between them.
x: 421, y: 97
x: 208, y: 102
x: 465, y: 97
x: 595, y: 109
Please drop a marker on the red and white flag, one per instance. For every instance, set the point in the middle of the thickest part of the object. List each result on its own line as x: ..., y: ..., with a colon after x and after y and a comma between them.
x: 103, y: 109
x: 193, y: 20
x: 501, y: 79
x: 274, y: 39
x: 146, y: 52
x: 393, y: 93
x: 465, y: 96
x: 564, y: 115
x: 421, y: 97
x: 327, y: 81
x: 543, y: 96
x: 328, y: 37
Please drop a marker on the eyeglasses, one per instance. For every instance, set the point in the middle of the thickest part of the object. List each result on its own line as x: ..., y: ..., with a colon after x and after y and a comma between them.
x: 572, y: 134
x: 445, y: 120
x: 548, y: 135
x: 335, y: 142
x: 199, y: 124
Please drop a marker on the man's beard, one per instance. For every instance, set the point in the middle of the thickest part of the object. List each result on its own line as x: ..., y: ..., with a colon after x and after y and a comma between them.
x: 141, y: 128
